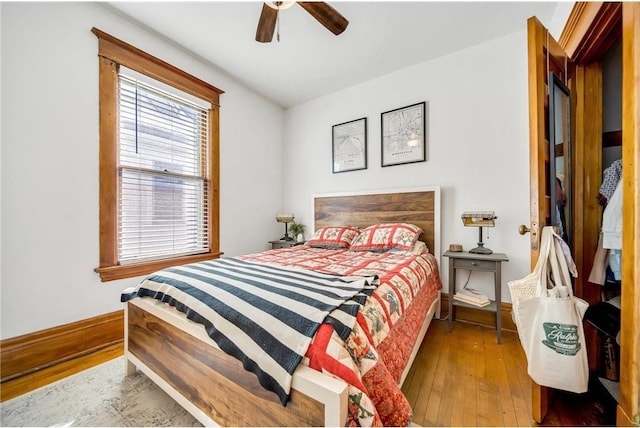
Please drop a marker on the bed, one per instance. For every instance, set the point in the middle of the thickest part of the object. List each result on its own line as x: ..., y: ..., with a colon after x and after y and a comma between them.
x: 351, y: 377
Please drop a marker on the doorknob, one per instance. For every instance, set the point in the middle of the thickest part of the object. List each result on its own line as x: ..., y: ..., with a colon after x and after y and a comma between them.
x: 523, y: 229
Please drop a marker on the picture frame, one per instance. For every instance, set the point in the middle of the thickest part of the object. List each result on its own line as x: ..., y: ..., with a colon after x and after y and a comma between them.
x: 404, y: 135
x: 349, y: 146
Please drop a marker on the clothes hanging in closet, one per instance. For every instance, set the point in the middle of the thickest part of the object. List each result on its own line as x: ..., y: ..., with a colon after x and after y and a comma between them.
x: 612, y: 231
x: 612, y: 221
x: 598, y: 273
x: 611, y: 177
x: 610, y: 239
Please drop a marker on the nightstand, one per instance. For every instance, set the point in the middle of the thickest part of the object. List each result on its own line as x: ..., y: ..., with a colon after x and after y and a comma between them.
x: 477, y: 262
x: 284, y: 244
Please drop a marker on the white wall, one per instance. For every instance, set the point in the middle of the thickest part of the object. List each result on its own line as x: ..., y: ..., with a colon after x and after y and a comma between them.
x: 477, y: 151
x: 559, y: 19
x: 50, y: 161
x: 478, y: 145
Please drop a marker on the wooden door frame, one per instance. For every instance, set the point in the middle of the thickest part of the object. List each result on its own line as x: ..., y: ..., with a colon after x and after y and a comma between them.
x: 591, y: 30
x: 628, y: 408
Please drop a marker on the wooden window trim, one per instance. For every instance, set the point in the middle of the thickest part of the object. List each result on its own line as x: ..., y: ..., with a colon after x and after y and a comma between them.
x: 131, y: 57
x: 112, y: 53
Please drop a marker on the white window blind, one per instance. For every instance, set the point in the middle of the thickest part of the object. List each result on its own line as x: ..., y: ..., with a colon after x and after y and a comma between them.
x: 162, y: 172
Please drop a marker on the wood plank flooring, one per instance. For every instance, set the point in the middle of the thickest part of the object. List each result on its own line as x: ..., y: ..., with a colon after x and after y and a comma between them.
x: 464, y: 378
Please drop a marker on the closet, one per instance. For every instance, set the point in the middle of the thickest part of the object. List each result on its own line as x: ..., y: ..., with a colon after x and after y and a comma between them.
x: 603, y: 41
x: 604, y: 314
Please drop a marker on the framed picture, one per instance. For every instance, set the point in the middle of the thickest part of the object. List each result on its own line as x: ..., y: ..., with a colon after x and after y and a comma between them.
x: 350, y: 146
x: 403, y: 135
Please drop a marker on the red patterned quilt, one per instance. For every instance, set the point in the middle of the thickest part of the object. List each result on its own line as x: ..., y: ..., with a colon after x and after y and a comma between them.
x: 374, y: 356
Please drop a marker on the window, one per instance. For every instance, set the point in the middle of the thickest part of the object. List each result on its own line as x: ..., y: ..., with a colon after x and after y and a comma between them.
x: 162, y: 171
x: 159, y: 147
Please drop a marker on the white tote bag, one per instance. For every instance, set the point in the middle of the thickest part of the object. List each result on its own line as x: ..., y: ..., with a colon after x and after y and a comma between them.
x: 550, y: 328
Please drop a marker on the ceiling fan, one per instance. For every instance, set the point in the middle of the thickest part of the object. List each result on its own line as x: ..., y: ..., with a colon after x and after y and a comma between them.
x: 321, y: 11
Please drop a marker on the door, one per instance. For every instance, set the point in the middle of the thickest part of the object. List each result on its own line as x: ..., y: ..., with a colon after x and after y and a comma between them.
x: 547, y: 63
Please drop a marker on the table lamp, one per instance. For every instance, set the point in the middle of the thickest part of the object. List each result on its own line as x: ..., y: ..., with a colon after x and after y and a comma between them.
x: 286, y: 219
x: 479, y: 219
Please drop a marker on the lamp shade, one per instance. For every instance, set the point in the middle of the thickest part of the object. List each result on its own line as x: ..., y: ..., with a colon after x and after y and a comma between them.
x: 284, y: 218
x: 479, y: 218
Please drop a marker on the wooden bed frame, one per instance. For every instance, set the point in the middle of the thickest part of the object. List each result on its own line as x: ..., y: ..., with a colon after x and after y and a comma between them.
x: 178, y: 355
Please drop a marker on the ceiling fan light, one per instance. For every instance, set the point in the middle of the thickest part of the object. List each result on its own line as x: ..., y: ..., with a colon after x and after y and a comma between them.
x: 279, y: 5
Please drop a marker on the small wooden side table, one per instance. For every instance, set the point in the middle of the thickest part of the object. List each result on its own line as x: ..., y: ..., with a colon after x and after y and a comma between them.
x: 284, y: 244
x: 478, y: 262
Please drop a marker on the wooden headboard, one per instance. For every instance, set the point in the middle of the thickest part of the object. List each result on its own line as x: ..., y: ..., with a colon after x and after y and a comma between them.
x: 418, y: 206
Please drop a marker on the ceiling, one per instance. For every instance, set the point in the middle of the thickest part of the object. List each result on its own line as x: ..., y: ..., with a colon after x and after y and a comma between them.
x: 309, y: 61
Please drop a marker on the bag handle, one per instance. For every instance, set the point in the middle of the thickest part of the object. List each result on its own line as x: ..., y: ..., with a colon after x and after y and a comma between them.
x: 540, y: 270
x: 545, y: 246
x: 555, y: 270
x: 559, y: 269
x: 562, y: 261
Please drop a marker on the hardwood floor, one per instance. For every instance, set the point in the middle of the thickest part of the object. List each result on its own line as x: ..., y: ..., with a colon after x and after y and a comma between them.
x: 464, y: 378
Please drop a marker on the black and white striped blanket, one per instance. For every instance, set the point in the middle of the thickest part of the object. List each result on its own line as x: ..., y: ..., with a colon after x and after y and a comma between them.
x: 264, y: 315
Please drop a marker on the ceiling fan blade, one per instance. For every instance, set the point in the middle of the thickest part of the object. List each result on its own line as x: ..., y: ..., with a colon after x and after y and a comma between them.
x: 326, y: 15
x: 266, y: 24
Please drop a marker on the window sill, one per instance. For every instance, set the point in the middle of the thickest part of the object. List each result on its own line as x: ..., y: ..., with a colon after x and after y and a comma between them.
x: 110, y: 273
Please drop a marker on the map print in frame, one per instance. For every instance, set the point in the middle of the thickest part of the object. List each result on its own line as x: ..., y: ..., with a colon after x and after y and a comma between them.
x: 403, y: 135
x: 350, y: 146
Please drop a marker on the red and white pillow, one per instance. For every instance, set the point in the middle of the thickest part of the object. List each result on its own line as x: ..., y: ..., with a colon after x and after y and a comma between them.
x: 386, y: 236
x: 334, y: 237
